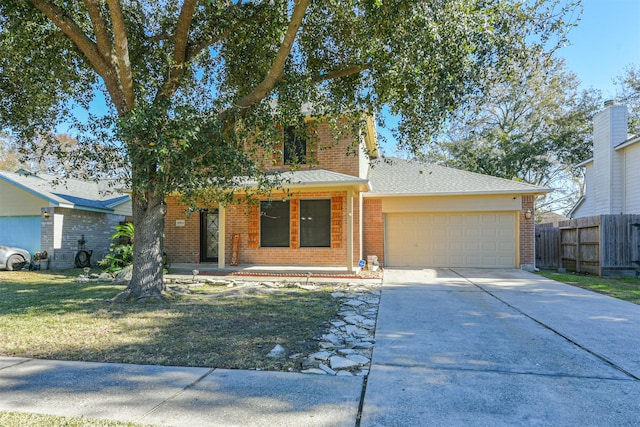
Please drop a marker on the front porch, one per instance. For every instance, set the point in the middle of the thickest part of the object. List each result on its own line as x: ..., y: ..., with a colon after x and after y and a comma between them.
x: 275, y: 271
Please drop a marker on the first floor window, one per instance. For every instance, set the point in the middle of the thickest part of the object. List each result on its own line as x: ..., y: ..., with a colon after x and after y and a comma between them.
x: 274, y: 224
x: 315, y: 223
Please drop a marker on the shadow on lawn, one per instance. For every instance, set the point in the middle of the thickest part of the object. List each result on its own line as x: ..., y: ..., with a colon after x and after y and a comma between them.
x: 55, y: 317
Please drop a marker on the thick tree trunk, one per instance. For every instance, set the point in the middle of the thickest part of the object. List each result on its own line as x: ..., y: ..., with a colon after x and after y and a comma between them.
x: 148, y: 218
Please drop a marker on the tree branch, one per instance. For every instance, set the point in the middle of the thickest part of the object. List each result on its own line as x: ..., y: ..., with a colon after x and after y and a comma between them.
x: 206, y: 40
x: 99, y: 27
x: 277, y: 67
x: 122, y: 53
x: 195, y: 49
x: 100, y: 64
x: 343, y: 72
x: 181, y: 40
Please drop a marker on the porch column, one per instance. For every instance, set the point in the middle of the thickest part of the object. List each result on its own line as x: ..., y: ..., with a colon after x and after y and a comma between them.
x: 350, y: 231
x: 222, y: 214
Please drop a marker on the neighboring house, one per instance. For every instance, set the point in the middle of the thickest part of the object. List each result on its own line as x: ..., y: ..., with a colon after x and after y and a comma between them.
x: 37, y: 214
x: 612, y: 175
x: 343, y: 208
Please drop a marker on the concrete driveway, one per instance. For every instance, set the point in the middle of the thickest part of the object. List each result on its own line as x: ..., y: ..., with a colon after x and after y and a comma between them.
x: 471, y: 347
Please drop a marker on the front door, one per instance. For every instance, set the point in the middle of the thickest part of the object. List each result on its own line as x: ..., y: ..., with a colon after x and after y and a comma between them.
x: 209, y: 236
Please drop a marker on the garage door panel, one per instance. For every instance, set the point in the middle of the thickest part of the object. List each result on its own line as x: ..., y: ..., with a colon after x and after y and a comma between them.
x: 451, y: 240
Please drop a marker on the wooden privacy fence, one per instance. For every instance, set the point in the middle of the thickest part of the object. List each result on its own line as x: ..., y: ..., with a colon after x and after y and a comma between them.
x: 605, y: 245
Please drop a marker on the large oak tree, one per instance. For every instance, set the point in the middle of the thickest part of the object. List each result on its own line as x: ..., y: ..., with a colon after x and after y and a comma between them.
x: 189, y: 87
x: 534, y: 128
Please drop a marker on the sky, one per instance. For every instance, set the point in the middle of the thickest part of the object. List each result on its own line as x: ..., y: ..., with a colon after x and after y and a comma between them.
x: 606, y: 40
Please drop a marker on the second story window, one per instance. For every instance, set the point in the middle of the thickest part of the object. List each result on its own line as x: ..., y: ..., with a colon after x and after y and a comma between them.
x: 295, y: 146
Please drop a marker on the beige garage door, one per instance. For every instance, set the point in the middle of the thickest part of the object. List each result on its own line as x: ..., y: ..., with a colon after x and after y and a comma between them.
x: 486, y: 239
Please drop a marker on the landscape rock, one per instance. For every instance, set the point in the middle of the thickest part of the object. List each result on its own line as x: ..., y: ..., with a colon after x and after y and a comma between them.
x: 277, y: 351
x: 327, y: 369
x: 314, y: 371
x: 339, y: 362
x: 354, y: 303
x: 359, y: 359
x: 321, y: 355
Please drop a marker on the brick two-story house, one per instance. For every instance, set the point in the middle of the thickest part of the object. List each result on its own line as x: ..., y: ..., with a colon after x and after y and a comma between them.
x: 338, y: 208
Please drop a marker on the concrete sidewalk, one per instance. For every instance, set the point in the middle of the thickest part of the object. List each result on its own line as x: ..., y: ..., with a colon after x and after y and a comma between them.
x: 461, y: 347
x: 176, y: 396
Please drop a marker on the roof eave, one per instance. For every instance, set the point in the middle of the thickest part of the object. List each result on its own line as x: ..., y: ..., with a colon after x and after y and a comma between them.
x: 360, y: 185
x: 576, y: 206
x: 92, y: 209
x: 635, y: 139
x: 117, y: 202
x: 537, y: 192
x: 584, y: 163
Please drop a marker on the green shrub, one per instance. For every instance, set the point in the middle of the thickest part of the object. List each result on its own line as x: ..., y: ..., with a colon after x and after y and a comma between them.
x: 121, y: 250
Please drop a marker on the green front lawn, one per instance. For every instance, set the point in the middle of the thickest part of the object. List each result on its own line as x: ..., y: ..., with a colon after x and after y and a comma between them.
x: 49, y: 315
x: 623, y: 288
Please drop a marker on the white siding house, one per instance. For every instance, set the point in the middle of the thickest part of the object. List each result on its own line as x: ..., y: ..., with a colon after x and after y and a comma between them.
x: 612, y: 175
x: 631, y: 165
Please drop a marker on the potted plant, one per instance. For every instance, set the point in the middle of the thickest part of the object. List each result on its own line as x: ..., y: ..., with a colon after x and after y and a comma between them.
x: 41, y: 260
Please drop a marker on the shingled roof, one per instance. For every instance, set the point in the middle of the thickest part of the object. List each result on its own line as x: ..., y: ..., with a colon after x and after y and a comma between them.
x: 400, y: 177
x: 68, y: 193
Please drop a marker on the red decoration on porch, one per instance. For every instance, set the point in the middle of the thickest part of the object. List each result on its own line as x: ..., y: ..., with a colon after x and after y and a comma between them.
x: 235, y: 249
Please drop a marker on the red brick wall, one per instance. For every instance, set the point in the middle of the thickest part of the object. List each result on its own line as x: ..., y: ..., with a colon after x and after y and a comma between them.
x: 527, y: 227
x: 182, y: 244
x: 373, y: 229
x: 323, y: 152
x: 238, y: 220
x: 338, y: 156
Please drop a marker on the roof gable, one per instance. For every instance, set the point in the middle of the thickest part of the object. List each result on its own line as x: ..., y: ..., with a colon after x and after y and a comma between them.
x: 400, y: 177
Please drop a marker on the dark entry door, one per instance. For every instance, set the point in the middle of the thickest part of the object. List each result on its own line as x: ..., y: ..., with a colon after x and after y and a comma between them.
x: 209, y: 236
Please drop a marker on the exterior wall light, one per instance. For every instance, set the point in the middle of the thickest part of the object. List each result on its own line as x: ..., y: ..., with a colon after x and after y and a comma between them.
x: 528, y: 214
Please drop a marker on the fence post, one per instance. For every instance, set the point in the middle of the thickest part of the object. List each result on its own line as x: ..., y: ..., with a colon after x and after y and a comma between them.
x: 577, y: 247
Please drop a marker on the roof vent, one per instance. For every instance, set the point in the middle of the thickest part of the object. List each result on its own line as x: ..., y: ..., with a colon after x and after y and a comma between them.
x: 610, y: 103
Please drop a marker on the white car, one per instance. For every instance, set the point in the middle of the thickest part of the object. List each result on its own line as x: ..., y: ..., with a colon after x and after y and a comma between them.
x: 12, y: 258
